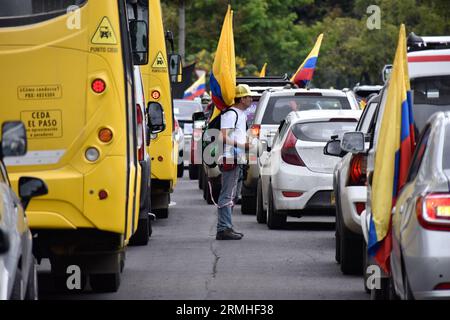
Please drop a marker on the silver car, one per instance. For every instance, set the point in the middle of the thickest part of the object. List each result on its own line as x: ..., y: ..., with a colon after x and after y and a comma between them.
x: 420, y: 259
x: 18, y: 279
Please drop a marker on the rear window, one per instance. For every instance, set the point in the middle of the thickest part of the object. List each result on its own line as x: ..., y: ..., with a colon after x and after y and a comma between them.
x: 321, y: 131
x: 22, y: 12
x: 184, y: 109
x: 431, y: 95
x: 279, y: 107
x: 446, y: 151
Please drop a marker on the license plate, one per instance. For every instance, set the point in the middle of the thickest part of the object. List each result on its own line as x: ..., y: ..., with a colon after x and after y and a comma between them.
x: 332, y: 199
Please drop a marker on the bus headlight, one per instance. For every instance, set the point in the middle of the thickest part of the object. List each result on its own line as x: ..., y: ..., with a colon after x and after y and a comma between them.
x: 92, y: 154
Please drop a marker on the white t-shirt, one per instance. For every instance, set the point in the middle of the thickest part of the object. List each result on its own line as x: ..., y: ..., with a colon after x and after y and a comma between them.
x: 239, y: 133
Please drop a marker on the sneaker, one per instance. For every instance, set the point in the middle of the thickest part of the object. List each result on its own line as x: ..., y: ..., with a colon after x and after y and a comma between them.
x: 228, y: 234
x: 239, y: 233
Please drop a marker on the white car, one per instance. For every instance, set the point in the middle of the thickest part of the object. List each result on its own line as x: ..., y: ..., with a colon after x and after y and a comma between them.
x: 295, y: 175
x: 274, y: 105
x: 178, y: 136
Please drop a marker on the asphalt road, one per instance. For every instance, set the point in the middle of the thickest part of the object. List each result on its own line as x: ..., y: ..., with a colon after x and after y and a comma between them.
x: 183, y: 261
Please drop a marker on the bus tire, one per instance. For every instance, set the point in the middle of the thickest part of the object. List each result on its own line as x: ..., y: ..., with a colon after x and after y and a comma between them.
x: 193, y: 172
x: 161, y: 213
x: 180, y: 170
x: 140, y: 237
x: 107, y: 282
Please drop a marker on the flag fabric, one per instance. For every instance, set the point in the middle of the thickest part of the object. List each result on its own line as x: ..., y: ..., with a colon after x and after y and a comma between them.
x: 393, y: 156
x: 223, y: 75
x: 262, y: 74
x: 197, y: 89
x: 305, y: 72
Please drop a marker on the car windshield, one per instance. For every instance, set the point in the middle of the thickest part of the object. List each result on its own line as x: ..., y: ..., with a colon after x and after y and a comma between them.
x: 322, y: 131
x: 431, y: 95
x: 446, y: 151
x: 279, y: 107
x: 184, y: 109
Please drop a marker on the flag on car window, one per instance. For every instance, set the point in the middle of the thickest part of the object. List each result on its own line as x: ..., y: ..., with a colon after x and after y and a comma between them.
x: 393, y: 156
x: 223, y: 75
x: 305, y: 72
x: 197, y: 89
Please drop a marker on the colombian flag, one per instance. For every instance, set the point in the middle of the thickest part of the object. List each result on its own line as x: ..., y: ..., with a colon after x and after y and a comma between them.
x: 262, y: 74
x: 393, y: 156
x: 223, y: 75
x: 305, y: 72
x: 196, y: 89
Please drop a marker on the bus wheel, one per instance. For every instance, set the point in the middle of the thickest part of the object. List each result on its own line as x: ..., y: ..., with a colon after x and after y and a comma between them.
x: 140, y: 237
x: 161, y: 213
x: 108, y: 282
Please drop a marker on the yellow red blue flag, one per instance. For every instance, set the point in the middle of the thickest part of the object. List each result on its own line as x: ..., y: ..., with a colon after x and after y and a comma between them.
x: 305, y: 72
x: 223, y: 75
x: 393, y: 156
x: 262, y: 74
x: 196, y: 89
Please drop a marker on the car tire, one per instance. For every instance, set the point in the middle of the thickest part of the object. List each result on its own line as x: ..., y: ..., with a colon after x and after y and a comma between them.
x: 161, y: 213
x: 260, y: 213
x: 274, y: 220
x: 337, y: 231
x: 351, y: 249
x: 180, y: 170
x: 108, y: 282
x: 201, y: 176
x: 141, y: 235
x: 32, y: 285
x: 193, y: 172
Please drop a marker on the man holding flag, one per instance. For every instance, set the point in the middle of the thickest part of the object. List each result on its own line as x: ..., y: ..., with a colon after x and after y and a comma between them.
x: 394, y: 151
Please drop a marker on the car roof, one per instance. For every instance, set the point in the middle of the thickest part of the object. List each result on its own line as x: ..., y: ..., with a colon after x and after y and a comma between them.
x: 323, y: 92
x: 316, y: 115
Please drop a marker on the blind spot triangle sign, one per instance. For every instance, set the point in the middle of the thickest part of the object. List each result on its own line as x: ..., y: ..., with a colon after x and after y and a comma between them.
x: 159, y: 62
x: 105, y: 33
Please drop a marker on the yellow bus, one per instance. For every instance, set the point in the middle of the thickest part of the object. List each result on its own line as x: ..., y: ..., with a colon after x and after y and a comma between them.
x: 67, y: 73
x: 157, y: 75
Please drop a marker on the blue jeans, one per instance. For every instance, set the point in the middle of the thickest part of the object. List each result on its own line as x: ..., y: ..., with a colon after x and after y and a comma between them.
x: 226, y: 198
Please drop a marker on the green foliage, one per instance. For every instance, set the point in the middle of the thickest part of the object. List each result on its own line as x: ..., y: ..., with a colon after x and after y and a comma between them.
x: 282, y: 32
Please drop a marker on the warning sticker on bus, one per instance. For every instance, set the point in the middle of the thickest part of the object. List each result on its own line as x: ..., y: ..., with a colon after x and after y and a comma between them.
x: 39, y: 92
x: 42, y: 124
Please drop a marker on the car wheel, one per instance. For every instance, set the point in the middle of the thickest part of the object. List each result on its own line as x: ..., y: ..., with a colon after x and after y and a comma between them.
x: 260, y: 214
x: 201, y: 176
x: 161, y: 213
x: 180, y: 170
x: 108, y: 282
x: 193, y: 172
x: 32, y: 285
x: 274, y: 220
x: 141, y: 235
x: 351, y: 248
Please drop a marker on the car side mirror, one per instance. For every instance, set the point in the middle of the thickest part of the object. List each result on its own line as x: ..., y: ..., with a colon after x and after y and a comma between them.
x: 156, y: 117
x: 333, y: 148
x: 4, y: 241
x: 139, y: 41
x: 175, y: 68
x: 353, y: 142
x: 14, y: 139
x: 30, y: 187
x: 198, y: 116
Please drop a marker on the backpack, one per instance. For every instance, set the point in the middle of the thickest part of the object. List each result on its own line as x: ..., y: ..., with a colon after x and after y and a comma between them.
x: 209, y: 143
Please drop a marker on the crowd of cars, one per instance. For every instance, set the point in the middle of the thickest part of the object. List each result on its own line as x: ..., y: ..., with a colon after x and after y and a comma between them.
x: 314, y: 154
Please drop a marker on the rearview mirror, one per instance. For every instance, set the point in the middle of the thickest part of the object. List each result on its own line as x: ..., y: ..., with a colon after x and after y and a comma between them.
x: 156, y: 117
x: 139, y: 41
x: 175, y: 68
x: 14, y: 139
x: 4, y: 241
x: 30, y: 187
x: 353, y: 142
x: 333, y: 148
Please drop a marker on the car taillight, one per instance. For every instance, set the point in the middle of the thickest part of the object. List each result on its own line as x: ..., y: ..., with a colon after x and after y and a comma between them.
x: 358, y: 170
x: 140, y: 132
x: 291, y: 194
x: 442, y: 286
x: 433, y: 211
x: 289, y: 153
x: 360, y: 207
x: 98, y: 85
x: 255, y: 130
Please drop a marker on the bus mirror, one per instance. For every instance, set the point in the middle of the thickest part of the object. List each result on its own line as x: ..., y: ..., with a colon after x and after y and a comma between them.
x: 14, y: 139
x: 175, y: 68
x: 386, y: 73
x: 139, y: 41
x: 156, y: 117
